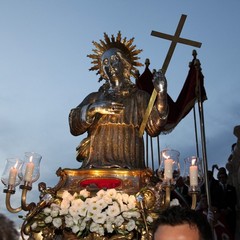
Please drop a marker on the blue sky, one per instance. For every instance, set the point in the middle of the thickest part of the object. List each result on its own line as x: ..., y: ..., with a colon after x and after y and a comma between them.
x: 44, y: 71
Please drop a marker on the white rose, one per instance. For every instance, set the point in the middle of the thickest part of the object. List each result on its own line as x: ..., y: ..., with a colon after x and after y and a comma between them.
x: 47, y: 211
x: 113, y: 210
x: 131, y: 225
x: 48, y: 219
x: 94, y: 227
x: 112, y: 193
x: 99, y: 218
x: 34, y: 226
x: 57, y: 222
x: 84, y: 193
x: 119, y: 220
x: 75, y: 228
x: 174, y: 202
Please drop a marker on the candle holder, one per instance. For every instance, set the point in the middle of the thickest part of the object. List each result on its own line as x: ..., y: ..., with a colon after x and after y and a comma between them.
x: 17, y: 171
x: 11, y: 176
x: 193, y: 177
x: 169, y: 171
x: 31, y: 168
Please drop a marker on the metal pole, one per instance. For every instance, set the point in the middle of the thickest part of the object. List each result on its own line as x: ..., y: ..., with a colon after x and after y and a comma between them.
x: 196, y: 132
x: 203, y: 137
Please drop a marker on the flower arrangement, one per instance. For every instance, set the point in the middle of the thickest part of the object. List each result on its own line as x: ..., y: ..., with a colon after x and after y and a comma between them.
x: 108, y: 212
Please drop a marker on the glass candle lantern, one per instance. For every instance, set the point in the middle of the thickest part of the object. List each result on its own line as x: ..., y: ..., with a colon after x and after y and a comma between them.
x: 193, y: 173
x: 11, y: 176
x: 169, y: 169
x: 31, y: 167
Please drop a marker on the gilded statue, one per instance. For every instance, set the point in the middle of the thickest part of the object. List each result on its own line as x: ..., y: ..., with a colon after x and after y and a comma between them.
x: 111, y: 117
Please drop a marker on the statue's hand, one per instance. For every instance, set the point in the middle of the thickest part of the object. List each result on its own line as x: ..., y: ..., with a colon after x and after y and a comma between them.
x: 159, y: 81
x: 105, y: 107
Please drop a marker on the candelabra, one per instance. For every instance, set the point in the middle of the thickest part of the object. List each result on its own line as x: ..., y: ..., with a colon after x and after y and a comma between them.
x: 16, y: 172
x: 169, y: 172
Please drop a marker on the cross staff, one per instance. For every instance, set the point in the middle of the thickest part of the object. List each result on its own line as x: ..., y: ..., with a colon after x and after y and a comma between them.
x: 175, y: 39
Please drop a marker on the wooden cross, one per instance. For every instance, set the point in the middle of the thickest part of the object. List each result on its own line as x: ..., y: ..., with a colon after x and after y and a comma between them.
x: 175, y: 39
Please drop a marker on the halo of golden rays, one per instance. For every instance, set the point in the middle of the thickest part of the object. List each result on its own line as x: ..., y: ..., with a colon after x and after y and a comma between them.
x: 120, y: 43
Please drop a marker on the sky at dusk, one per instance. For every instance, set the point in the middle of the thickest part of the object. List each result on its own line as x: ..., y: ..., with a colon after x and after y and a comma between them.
x: 44, y: 72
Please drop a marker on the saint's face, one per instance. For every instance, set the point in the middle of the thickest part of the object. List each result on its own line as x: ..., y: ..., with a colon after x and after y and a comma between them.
x: 178, y: 232
x: 112, y: 65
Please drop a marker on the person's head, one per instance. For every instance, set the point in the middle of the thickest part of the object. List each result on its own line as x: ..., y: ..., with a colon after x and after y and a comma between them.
x: 7, y: 229
x: 179, y: 223
x: 115, y: 51
x: 115, y: 65
x: 222, y: 175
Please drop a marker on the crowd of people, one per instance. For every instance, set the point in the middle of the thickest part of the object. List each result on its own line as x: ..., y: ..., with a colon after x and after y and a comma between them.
x: 223, y: 199
x: 215, y: 222
x: 222, y: 212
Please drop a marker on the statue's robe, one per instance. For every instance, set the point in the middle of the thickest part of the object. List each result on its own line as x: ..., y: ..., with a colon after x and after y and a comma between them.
x: 113, y: 140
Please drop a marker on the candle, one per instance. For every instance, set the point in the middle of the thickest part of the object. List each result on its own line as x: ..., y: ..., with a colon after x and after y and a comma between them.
x: 168, y: 171
x: 12, y: 176
x: 193, y: 175
x: 29, y: 171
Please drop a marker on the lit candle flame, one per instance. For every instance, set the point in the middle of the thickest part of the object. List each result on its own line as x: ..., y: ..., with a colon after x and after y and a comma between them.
x: 15, y: 166
x: 194, y: 160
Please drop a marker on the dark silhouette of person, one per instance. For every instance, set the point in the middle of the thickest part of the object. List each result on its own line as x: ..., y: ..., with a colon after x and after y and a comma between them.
x: 8, y: 229
x: 227, y: 199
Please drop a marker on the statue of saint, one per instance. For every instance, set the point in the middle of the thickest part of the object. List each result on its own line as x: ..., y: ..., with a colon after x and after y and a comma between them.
x: 112, y: 116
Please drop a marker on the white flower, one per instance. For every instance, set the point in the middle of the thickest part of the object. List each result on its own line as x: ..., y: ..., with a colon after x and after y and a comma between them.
x: 73, y: 210
x: 82, y: 211
x: 113, y: 210
x: 47, y: 210
x: 75, y: 228
x: 34, y: 226
x: 65, y: 204
x: 82, y: 226
x: 63, y: 211
x: 101, y: 193
x: 134, y: 214
x: 125, y: 197
x: 127, y: 214
x: 94, y: 208
x: 101, y: 231
x: 119, y: 197
x: 99, y: 218
x: 67, y: 196
x: 112, y: 193
x: 101, y: 204
x: 109, y: 227
x: 84, y: 193
x: 48, y: 219
x: 131, y: 225
x: 119, y: 220
x: 57, y: 222
x: 94, y: 227
x: 106, y: 211
x: 69, y: 221
x: 110, y: 219
x: 131, y: 202
x: 76, y: 219
x: 55, y: 210
x: 90, y: 201
x: 174, y: 202
x: 77, y: 202
x: 149, y: 219
x: 107, y: 199
x: 123, y: 206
